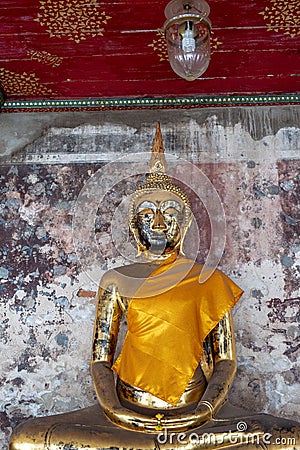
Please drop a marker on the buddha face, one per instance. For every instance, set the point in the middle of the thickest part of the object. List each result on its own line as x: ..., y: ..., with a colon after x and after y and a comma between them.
x: 158, y: 222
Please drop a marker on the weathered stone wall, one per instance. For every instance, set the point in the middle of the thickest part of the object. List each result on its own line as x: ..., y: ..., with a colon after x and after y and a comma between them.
x: 251, y: 155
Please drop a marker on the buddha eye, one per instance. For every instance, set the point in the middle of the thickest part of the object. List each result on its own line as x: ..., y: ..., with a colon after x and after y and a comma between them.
x: 146, y: 216
x: 171, y: 214
x: 171, y: 209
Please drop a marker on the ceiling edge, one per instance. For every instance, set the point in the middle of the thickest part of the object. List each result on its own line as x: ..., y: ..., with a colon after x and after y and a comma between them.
x: 98, y: 104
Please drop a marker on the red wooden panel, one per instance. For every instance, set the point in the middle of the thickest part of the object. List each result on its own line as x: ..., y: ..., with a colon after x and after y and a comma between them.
x: 113, y: 43
x: 138, y: 15
x: 246, y: 57
x: 127, y: 67
x: 162, y: 88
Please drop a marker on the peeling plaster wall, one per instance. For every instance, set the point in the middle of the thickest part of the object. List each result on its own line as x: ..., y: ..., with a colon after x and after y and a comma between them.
x: 251, y: 155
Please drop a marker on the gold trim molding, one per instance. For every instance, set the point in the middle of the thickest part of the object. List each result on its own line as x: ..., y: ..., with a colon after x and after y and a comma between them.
x: 102, y: 104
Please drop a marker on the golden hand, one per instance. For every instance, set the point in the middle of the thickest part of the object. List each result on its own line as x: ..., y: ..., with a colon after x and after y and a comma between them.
x: 184, y: 422
x: 131, y: 419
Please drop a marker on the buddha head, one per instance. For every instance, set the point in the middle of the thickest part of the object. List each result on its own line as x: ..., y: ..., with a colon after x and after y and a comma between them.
x: 160, y: 213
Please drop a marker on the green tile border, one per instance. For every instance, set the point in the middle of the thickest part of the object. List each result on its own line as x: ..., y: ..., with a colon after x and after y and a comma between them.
x: 144, y: 103
x: 2, y: 100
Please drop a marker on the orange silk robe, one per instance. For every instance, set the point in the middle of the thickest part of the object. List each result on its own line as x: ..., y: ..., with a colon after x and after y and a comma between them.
x: 168, y: 320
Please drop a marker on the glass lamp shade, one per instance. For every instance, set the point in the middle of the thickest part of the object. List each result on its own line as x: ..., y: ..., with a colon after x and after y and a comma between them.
x: 187, y: 32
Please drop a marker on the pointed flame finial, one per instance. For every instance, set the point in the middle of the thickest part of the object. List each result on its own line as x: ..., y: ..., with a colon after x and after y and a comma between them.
x: 158, y: 162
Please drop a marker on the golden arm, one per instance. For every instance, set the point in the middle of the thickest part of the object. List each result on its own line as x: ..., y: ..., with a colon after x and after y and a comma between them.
x: 108, y: 316
x: 224, y: 355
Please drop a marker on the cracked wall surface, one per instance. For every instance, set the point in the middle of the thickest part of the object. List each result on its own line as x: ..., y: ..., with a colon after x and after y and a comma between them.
x: 251, y: 155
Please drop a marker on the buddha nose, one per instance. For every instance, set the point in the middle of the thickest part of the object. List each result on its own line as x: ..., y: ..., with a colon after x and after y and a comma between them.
x: 158, y: 221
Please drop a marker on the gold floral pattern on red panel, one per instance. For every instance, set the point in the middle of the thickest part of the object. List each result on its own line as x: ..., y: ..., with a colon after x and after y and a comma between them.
x: 45, y: 57
x: 76, y: 19
x: 283, y: 16
x: 22, y: 84
x: 159, y: 45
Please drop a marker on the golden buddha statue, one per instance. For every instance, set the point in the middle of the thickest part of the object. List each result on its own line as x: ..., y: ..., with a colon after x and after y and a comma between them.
x: 169, y: 385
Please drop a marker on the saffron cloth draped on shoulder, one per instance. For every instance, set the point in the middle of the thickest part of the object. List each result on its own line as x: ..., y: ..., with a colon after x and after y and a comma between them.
x: 167, y: 325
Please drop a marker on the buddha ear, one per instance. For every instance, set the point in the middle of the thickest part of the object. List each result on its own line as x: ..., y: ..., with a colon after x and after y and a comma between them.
x: 188, y: 217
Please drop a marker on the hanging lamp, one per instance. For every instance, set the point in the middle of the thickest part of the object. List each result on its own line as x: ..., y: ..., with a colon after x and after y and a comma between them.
x: 187, y: 32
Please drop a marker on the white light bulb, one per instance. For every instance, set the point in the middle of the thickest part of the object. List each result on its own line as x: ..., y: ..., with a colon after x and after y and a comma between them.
x: 188, y: 41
